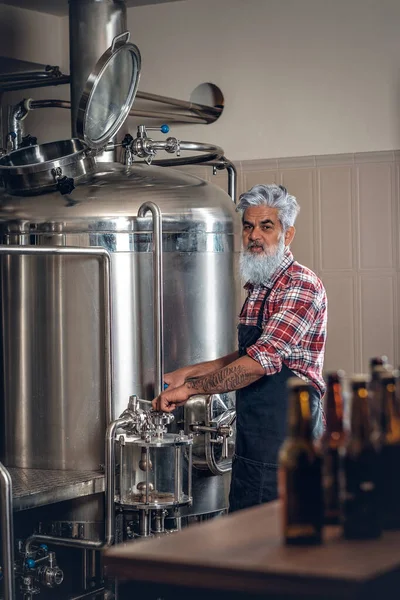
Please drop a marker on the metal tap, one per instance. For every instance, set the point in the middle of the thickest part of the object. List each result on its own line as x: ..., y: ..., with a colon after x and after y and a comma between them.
x: 146, y: 148
x: 221, y: 428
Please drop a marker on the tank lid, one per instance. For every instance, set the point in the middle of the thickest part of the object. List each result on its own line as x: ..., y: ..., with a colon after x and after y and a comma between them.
x: 109, y: 93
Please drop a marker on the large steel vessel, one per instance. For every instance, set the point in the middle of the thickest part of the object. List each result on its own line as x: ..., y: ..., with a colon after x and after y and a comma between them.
x: 53, y: 402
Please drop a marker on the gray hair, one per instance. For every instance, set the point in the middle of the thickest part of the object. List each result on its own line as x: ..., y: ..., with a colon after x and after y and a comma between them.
x: 274, y: 196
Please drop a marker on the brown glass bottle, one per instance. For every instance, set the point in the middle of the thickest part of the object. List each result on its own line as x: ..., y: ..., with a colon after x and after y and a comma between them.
x: 390, y: 449
x: 378, y: 365
x: 300, y: 472
x: 332, y: 443
x: 361, y: 506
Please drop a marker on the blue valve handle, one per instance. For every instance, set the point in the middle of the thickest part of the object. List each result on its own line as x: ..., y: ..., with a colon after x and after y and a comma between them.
x: 164, y: 128
x: 30, y: 563
x: 165, y: 385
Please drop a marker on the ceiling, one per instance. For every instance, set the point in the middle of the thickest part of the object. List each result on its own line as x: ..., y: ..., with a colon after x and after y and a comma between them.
x: 60, y: 7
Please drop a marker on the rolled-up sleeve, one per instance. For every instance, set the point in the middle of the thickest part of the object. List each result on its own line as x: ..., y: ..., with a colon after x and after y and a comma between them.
x: 298, y: 309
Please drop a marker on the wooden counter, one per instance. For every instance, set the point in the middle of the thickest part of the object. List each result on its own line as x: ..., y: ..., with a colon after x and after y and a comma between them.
x: 243, y: 554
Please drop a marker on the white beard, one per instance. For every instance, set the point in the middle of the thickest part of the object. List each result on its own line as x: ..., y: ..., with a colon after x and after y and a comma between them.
x: 258, y: 268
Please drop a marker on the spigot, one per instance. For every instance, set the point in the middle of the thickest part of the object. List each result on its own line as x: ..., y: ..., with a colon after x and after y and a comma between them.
x: 221, y: 428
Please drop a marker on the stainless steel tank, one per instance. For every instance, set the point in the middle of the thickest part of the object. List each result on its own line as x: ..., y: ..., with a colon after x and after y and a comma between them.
x: 53, y: 398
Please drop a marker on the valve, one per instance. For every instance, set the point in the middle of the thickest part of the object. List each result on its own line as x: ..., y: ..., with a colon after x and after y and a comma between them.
x: 145, y: 147
x: 38, y: 568
x: 30, y: 563
x: 50, y: 577
x: 65, y: 185
x: 28, y: 140
x: 221, y: 428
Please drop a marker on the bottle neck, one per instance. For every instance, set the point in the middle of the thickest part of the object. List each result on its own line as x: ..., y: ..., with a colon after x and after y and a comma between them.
x: 300, y: 426
x: 390, y: 413
x: 334, y: 409
x: 360, y: 421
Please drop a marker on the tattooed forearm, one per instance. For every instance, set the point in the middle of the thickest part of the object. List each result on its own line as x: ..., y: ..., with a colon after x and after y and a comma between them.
x: 232, y: 377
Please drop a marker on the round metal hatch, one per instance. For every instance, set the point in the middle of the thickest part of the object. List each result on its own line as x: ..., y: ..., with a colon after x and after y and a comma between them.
x: 109, y: 93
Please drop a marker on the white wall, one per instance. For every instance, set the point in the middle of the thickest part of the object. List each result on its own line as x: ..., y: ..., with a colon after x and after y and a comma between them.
x: 300, y: 77
x: 31, y: 36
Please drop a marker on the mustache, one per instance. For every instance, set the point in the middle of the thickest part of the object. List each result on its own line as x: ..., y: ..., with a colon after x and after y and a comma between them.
x: 254, y: 245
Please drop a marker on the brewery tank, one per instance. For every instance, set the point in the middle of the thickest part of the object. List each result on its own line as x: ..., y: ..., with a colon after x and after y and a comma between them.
x: 52, y: 308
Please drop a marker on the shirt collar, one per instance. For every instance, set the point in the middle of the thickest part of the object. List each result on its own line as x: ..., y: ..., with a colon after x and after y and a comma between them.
x: 286, y: 262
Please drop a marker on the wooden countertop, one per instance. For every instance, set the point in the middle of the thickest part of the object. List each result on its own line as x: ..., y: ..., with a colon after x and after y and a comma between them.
x: 244, y: 552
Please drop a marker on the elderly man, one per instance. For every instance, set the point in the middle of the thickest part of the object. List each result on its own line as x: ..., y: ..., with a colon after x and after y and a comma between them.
x: 282, y: 331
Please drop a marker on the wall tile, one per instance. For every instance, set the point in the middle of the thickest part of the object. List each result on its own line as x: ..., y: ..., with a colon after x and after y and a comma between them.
x: 299, y: 182
x: 335, y: 225
x: 375, y: 215
x: 331, y: 160
x: 377, y: 312
x: 297, y: 162
x: 374, y: 157
x: 340, y: 346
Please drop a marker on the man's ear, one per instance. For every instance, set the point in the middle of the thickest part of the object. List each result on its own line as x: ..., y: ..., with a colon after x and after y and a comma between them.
x: 289, y: 235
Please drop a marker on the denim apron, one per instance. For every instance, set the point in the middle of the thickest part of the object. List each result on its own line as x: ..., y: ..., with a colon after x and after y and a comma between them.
x: 261, y: 423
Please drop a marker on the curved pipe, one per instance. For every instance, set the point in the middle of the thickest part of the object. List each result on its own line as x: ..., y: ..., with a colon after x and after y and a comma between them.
x: 158, y: 307
x: 103, y: 255
x: 7, y: 534
x: 211, y: 153
x: 110, y: 500
x: 232, y: 179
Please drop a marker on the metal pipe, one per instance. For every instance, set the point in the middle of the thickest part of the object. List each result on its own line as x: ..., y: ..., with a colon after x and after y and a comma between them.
x: 180, y: 103
x: 7, y: 534
x: 212, y: 153
x: 27, y: 76
x: 25, y: 85
x: 202, y: 120
x: 48, y: 103
x: 89, y: 594
x: 85, y: 571
x: 93, y: 25
x: 178, y: 483
x: 110, y: 500
x: 224, y: 163
x: 144, y: 523
x: 158, y: 308
x: 104, y: 256
x: 232, y: 180
x: 190, y: 472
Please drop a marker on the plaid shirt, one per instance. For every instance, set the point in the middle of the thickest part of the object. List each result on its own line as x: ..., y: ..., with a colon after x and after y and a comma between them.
x: 294, y: 322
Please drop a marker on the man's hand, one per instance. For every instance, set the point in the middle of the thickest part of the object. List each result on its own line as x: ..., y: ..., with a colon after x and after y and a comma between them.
x: 170, y: 399
x: 176, y: 378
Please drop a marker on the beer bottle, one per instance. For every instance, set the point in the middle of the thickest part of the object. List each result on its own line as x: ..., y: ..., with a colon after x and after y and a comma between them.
x: 361, y: 518
x: 378, y: 365
x: 390, y: 450
x: 378, y: 361
x: 332, y: 444
x: 300, y: 472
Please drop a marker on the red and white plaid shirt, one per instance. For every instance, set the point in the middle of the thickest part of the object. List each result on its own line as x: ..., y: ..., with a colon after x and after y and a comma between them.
x: 294, y: 322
